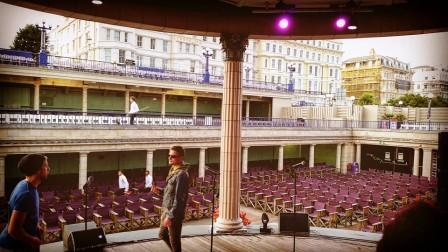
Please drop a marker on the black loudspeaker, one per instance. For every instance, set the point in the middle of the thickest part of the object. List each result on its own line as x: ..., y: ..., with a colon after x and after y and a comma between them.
x: 92, y: 239
x: 294, y: 223
x: 442, y: 172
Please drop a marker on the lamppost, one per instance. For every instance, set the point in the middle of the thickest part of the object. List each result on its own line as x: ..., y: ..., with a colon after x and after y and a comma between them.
x: 247, y: 69
x: 352, y: 98
x: 207, y: 55
x: 43, y: 54
x: 291, y: 69
x: 430, y: 95
x: 43, y: 30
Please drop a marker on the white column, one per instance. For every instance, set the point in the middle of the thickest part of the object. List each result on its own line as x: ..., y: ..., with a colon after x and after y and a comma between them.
x: 202, y: 162
x: 247, y: 109
x: 311, y: 159
x: 36, y: 96
x: 195, y: 106
x: 126, y: 101
x: 415, y: 170
x: 245, y: 158
x: 358, y: 155
x: 163, y: 105
x: 84, y: 100
x: 338, y: 158
x: 426, y: 171
x: 347, y: 156
x: 229, y: 219
x: 2, y: 175
x: 150, y: 161
x: 280, y: 158
x: 82, y: 169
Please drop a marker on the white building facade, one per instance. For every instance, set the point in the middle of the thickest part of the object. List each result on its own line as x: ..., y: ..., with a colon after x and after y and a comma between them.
x: 430, y: 81
x: 311, y: 67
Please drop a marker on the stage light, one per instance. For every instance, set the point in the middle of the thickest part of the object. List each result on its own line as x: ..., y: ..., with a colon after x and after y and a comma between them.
x: 97, y: 2
x: 283, y: 23
x: 352, y: 27
x: 340, y: 23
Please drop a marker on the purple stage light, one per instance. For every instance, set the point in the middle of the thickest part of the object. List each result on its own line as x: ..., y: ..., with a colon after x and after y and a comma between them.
x: 340, y: 23
x: 283, y: 23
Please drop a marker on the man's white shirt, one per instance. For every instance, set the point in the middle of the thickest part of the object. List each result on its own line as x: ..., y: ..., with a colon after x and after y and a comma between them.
x: 134, y: 108
x: 123, y: 182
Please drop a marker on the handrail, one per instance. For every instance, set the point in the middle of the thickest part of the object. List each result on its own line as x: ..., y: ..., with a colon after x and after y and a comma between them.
x: 30, y: 117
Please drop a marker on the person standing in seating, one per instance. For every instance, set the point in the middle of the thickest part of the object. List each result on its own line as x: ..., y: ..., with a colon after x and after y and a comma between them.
x: 123, y: 184
x: 148, y: 181
x: 175, y: 197
x: 22, y: 231
x: 133, y: 109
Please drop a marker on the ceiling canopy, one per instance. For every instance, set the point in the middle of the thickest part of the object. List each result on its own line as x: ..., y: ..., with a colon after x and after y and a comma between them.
x: 309, y: 19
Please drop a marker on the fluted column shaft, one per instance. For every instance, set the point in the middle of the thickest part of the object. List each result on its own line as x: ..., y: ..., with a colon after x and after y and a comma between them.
x: 338, y: 158
x: 311, y: 158
x: 415, y: 170
x: 163, y: 105
x: 36, y: 105
x: 126, y: 101
x: 245, y: 159
x: 247, y: 109
x: 195, y: 106
x: 82, y: 169
x: 84, y: 100
x: 280, y: 158
x: 426, y: 171
x: 358, y: 156
x: 202, y: 162
x: 150, y: 161
x: 229, y: 219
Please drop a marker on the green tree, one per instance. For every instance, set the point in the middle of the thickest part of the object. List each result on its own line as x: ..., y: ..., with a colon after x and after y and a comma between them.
x: 388, y: 116
x: 27, y: 39
x: 416, y: 100
x: 366, y: 99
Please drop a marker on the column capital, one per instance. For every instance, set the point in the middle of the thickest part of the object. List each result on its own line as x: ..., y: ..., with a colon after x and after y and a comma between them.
x: 150, y: 150
x: 246, y: 146
x: 234, y: 45
x: 84, y: 152
x: 203, y: 148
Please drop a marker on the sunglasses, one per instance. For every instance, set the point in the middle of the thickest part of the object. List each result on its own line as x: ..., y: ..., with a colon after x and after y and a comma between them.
x: 173, y: 156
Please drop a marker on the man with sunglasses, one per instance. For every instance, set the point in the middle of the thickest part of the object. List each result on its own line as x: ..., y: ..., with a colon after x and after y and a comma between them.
x: 175, y: 197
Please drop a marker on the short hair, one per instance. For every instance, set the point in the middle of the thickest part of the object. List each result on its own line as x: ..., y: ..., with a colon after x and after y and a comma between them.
x: 31, y: 163
x: 178, y: 149
x: 132, y: 98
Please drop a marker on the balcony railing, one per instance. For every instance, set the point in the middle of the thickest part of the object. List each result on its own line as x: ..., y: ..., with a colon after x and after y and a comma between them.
x: 29, y: 117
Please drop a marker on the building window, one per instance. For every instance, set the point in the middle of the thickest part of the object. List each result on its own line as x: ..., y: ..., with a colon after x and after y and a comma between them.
x: 313, y: 55
x: 139, y: 41
x: 107, y: 55
x: 213, y: 70
x: 301, y: 54
x: 214, y: 39
x: 273, y: 79
x: 152, y: 62
x: 273, y: 63
x: 279, y: 65
x: 279, y: 79
x: 311, y: 70
x: 180, y: 47
x: 139, y: 60
x: 121, y: 55
x: 192, y: 63
x: 307, y: 54
x: 117, y: 36
x: 247, y: 74
x: 280, y: 49
x: 331, y: 72
x: 295, y: 52
x: 315, y: 70
x: 153, y: 43
x: 318, y: 57
x: 204, y: 38
x: 267, y: 47
x: 164, y: 64
x: 187, y: 48
x: 288, y: 50
x: 266, y: 63
x: 126, y: 37
x: 165, y: 46
x: 299, y: 68
x: 108, y: 34
x: 214, y: 54
x: 274, y: 47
